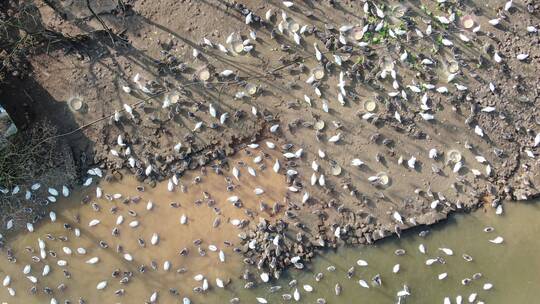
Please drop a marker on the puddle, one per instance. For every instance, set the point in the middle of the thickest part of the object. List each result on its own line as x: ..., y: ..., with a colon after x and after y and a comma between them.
x: 202, y: 203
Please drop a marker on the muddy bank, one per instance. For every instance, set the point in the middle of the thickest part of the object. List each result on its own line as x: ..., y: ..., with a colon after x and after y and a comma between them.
x: 157, y: 99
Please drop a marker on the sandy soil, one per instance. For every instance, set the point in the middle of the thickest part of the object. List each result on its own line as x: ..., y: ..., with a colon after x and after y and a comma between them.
x: 156, y: 40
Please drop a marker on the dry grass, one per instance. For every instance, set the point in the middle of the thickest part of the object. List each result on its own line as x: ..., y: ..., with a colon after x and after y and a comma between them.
x: 27, y: 155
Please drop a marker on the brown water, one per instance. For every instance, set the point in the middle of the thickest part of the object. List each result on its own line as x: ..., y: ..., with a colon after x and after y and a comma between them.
x: 162, y: 219
x: 512, y: 267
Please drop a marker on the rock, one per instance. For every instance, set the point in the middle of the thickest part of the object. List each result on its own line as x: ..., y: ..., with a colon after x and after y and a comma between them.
x: 117, y: 175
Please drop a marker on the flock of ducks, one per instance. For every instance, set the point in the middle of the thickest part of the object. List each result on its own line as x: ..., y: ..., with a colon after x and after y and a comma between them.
x: 348, y: 36
x: 50, y: 260
x: 45, y: 259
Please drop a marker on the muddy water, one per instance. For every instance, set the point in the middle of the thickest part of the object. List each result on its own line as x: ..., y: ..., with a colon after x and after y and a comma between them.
x: 201, y: 202
x: 512, y: 267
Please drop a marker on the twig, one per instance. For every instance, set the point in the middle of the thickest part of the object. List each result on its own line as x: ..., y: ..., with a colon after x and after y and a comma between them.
x: 29, y: 97
x: 97, y: 120
x: 101, y: 21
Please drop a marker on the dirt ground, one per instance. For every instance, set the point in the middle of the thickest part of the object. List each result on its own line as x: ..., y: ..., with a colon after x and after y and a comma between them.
x: 156, y: 40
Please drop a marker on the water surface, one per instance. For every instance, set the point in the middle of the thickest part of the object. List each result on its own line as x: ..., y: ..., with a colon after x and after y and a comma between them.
x: 512, y: 267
